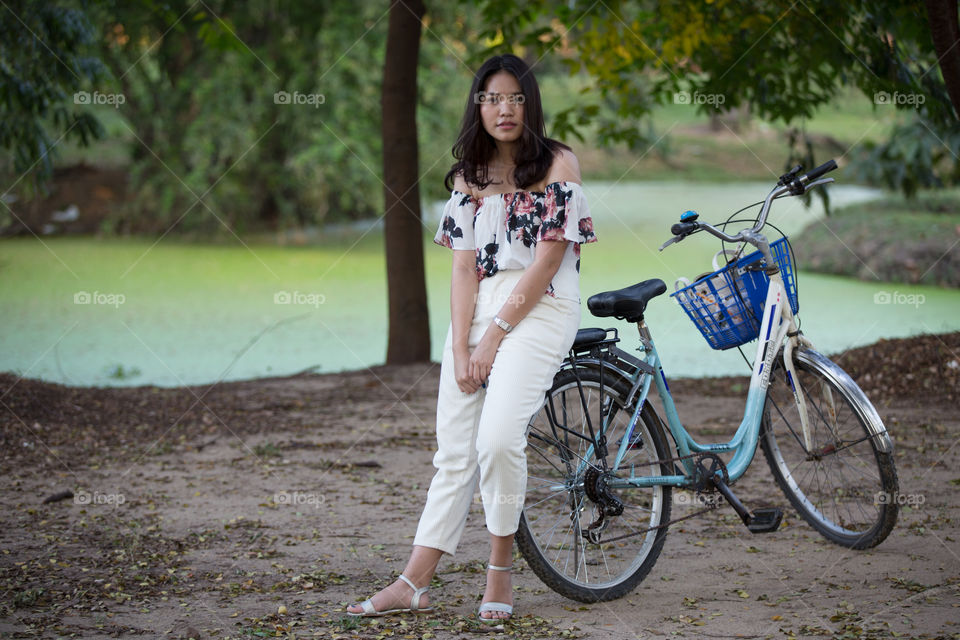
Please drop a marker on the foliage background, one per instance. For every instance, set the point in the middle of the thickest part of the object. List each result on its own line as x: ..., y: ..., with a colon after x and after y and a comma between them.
x: 206, y: 149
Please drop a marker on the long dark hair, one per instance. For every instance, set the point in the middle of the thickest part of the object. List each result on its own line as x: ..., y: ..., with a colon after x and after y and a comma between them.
x: 475, y: 147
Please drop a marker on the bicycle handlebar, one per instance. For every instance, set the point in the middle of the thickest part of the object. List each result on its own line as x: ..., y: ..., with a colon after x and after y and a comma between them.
x: 683, y: 228
x: 826, y: 167
x: 788, y: 184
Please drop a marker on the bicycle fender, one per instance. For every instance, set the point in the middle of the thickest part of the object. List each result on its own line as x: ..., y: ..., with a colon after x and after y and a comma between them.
x: 595, y: 363
x: 863, y: 406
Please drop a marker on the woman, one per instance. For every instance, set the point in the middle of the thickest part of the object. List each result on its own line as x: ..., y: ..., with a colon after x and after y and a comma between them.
x: 515, y: 221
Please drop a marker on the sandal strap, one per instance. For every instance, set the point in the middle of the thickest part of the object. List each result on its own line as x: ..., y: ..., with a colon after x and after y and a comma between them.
x: 417, y: 592
x: 496, y: 568
x: 501, y: 607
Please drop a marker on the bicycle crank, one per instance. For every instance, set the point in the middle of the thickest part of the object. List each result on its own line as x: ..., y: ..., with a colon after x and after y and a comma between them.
x: 712, y: 474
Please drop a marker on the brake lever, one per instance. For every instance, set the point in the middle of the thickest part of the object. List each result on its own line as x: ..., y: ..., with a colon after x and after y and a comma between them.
x: 671, y: 241
x: 798, y: 188
x: 818, y: 182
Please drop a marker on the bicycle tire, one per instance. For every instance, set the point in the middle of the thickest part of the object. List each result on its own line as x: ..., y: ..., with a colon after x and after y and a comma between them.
x: 604, y: 571
x: 846, y: 489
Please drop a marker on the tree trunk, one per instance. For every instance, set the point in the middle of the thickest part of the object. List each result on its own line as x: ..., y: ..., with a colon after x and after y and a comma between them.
x: 945, y: 31
x: 409, y: 329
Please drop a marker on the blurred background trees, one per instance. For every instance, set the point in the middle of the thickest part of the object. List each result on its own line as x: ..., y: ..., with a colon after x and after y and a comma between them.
x: 46, y: 53
x: 204, y: 143
x: 204, y: 124
x: 206, y: 147
x: 777, y: 61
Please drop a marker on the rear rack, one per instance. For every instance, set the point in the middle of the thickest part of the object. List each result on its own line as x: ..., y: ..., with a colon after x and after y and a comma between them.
x: 605, y: 354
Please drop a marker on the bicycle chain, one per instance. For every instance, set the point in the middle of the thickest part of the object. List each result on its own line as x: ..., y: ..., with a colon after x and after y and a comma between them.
x: 712, y: 507
x: 665, y: 524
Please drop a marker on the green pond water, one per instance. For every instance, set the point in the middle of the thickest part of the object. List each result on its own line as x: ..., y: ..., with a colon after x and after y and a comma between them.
x: 129, y: 312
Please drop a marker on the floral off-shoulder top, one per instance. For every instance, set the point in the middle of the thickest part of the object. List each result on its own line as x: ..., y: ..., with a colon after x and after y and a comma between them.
x: 504, y: 229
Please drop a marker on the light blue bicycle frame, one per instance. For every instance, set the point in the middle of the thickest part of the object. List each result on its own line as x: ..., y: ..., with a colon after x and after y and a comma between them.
x: 777, y: 329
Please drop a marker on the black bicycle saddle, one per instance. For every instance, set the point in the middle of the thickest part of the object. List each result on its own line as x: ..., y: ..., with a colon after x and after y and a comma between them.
x: 628, y: 303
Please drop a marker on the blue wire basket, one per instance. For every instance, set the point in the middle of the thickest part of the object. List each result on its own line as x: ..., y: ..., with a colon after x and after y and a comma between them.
x: 727, y: 305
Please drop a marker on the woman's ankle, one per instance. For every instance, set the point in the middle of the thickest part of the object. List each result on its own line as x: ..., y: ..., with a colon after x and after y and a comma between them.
x: 421, y: 580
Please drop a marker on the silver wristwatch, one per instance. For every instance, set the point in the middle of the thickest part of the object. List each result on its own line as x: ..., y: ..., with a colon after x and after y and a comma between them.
x: 503, y: 324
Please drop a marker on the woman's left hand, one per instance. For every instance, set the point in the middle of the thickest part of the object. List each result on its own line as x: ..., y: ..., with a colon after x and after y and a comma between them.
x: 481, y: 360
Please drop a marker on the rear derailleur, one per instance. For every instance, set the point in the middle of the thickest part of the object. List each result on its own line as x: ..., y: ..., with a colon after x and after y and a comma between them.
x: 607, y: 503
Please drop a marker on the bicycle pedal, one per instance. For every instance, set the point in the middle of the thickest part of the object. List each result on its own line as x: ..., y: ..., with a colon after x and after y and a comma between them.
x: 765, y: 520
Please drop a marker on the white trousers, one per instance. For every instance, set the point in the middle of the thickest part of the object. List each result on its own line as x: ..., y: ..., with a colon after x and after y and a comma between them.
x: 482, y: 436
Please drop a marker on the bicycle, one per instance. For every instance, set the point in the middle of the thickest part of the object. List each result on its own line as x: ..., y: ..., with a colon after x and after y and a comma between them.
x: 598, y: 445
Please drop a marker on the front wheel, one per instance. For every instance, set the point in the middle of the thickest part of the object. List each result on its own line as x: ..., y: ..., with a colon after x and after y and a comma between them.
x: 843, y: 482
x: 567, y: 486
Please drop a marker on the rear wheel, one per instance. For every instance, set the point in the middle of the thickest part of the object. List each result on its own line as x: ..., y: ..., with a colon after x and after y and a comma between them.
x: 563, y: 472
x: 845, y: 483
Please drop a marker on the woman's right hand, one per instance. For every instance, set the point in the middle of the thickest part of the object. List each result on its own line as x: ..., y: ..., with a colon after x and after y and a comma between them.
x: 461, y: 371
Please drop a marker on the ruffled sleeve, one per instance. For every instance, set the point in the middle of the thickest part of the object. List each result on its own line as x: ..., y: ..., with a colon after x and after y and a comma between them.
x: 566, y: 215
x: 456, y: 223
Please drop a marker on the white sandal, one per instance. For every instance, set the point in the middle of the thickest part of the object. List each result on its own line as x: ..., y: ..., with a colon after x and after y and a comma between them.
x: 370, y: 612
x: 495, y: 606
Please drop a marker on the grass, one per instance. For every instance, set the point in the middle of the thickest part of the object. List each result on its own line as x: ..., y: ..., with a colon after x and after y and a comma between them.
x: 113, y: 150
x: 722, y: 157
x: 687, y: 149
x: 894, y: 239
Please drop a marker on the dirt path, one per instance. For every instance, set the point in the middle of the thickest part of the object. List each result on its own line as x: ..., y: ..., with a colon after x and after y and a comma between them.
x: 202, y: 517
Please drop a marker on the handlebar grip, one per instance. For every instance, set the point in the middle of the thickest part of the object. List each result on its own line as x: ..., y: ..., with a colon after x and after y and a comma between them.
x: 684, y: 228
x: 827, y: 166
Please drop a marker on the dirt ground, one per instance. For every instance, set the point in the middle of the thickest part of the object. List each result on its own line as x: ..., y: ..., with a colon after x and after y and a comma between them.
x: 199, y: 512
